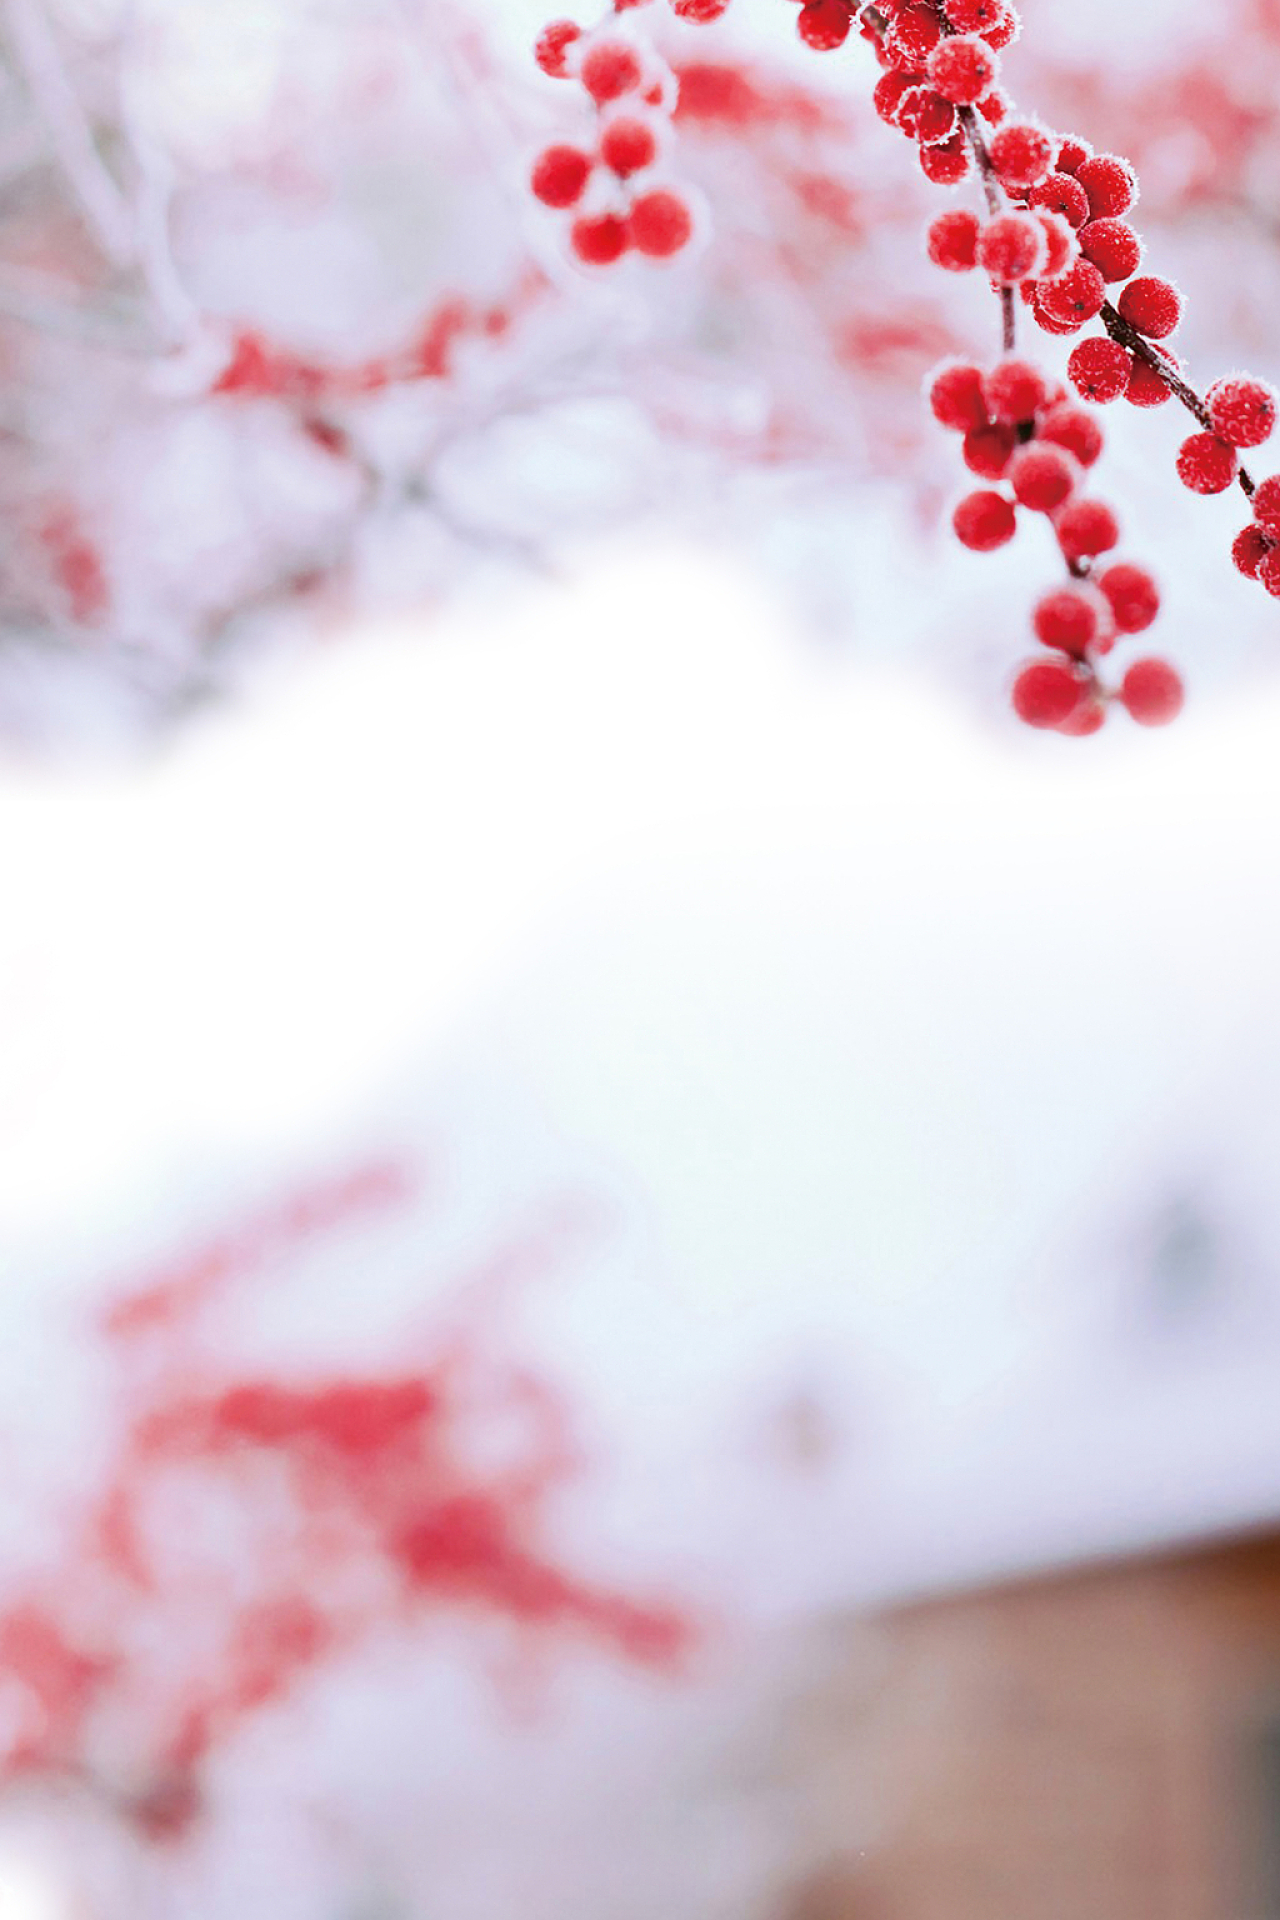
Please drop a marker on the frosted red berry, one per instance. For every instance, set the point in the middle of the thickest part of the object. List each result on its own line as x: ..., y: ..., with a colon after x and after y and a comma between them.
x: 976, y: 16
x: 1044, y: 477
x: 1072, y: 154
x: 1269, y: 571
x: 995, y: 106
x: 599, y: 239
x: 988, y: 451
x: 1146, y: 387
x: 1113, y: 247
x: 913, y: 34
x: 1074, y: 299
x: 1099, y: 369
x: 610, y: 69
x: 1086, y: 528
x: 700, y: 12
x: 1243, y: 410
x: 1133, y: 596
x: 1059, y: 244
x: 890, y: 91
x: 560, y: 175
x: 947, y: 162
x: 963, y: 68
x: 824, y: 25
x: 984, y: 521
x: 1071, y: 427
x: 1015, y: 391
x: 1062, y: 194
x: 552, y: 47
x: 935, y: 118
x: 1011, y: 248
x: 953, y: 240
x: 1021, y: 153
x: 1248, y: 549
x: 1207, y: 464
x: 1152, y: 692
x: 1047, y: 692
x: 1266, y: 505
x: 1109, y: 181
x: 1152, y: 307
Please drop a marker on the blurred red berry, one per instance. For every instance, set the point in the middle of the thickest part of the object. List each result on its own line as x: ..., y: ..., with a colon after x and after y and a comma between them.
x: 984, y: 521
x: 1152, y: 692
x: 1133, y: 595
x: 560, y: 175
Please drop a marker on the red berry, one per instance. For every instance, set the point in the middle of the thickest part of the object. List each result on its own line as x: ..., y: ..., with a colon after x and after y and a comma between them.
x: 976, y: 16
x: 559, y: 176
x: 890, y: 90
x: 552, y: 46
x: 1243, y: 410
x: 1266, y: 505
x: 610, y: 69
x: 660, y: 224
x: 1061, y: 194
x: 701, y: 12
x: 1087, y: 718
x: 1152, y: 692
x: 935, y: 118
x: 1015, y: 391
x: 1248, y: 550
x: 1072, y: 154
x: 1113, y: 247
x: 599, y: 239
x: 1086, y: 528
x: 988, y: 451
x: 1151, y: 307
x: 1133, y: 594
x: 1021, y: 153
x: 1206, y: 464
x: 963, y: 68
x: 956, y: 396
x: 1068, y: 620
x: 994, y: 106
x: 1043, y: 478
x: 1269, y: 571
x: 1059, y: 245
x: 953, y: 240
x: 1075, y: 298
x: 912, y: 36
x: 1072, y: 428
x: 1047, y: 321
x: 1011, y: 248
x: 984, y: 521
x: 946, y: 163
x: 1099, y: 369
x: 1000, y: 32
x: 1109, y: 181
x: 1047, y: 692
x: 1146, y: 387
x: 824, y: 24
x: 628, y: 145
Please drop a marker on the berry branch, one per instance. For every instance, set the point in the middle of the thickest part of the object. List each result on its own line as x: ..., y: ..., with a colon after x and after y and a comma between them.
x: 1055, y: 237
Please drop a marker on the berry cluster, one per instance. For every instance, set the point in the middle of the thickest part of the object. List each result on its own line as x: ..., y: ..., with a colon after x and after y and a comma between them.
x: 1054, y: 237
x: 617, y: 207
x: 1025, y: 433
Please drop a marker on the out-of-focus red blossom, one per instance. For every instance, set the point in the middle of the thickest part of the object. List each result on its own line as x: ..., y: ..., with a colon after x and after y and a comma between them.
x: 361, y: 1502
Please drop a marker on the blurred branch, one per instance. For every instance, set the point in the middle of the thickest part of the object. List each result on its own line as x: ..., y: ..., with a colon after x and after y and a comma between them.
x: 40, y: 62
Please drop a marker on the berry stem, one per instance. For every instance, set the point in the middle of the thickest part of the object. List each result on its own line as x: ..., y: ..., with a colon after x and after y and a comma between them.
x: 995, y: 204
x: 1128, y: 336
